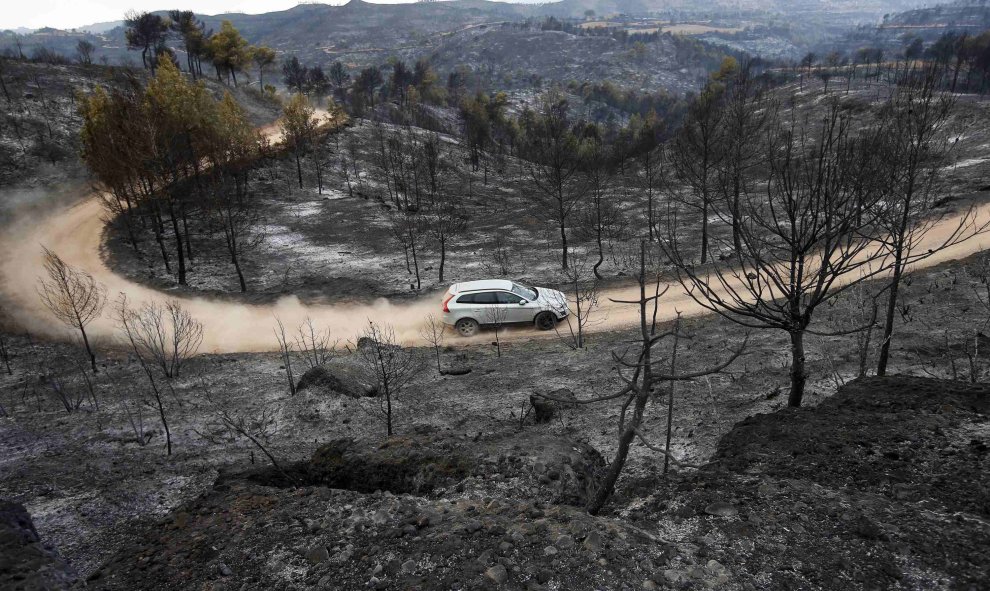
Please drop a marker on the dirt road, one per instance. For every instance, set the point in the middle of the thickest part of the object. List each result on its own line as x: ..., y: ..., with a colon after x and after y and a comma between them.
x: 75, y: 233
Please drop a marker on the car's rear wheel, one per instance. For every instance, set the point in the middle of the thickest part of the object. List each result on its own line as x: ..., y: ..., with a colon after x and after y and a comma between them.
x: 467, y: 327
x: 546, y: 321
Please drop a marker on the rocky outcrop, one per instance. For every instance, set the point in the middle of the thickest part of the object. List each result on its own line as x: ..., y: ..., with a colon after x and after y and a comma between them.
x: 881, y: 486
x: 25, y: 563
x: 339, y: 377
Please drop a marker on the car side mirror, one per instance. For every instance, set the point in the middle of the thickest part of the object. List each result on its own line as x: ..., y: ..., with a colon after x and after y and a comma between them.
x: 523, y: 302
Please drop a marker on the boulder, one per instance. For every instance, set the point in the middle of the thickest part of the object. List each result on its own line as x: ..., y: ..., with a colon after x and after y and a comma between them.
x: 401, y: 466
x: 25, y: 563
x: 546, y: 406
x: 343, y: 377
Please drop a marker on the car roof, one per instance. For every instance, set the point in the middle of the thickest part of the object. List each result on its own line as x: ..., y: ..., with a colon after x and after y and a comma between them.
x: 481, y: 285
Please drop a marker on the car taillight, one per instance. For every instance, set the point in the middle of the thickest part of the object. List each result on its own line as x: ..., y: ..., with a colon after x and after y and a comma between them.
x: 445, y: 300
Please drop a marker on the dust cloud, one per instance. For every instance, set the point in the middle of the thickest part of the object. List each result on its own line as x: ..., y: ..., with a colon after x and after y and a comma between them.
x: 75, y: 231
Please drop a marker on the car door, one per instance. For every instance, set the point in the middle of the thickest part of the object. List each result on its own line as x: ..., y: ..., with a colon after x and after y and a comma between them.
x: 512, y: 309
x: 480, y: 305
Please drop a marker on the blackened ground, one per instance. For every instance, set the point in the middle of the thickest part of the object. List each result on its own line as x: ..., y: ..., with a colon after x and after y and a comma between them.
x: 882, y: 486
x: 794, y: 499
x: 25, y: 562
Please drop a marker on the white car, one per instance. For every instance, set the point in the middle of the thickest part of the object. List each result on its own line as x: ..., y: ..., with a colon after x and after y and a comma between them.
x: 469, y: 305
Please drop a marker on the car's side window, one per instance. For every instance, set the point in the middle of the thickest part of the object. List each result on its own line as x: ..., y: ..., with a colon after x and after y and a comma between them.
x: 484, y: 297
x: 505, y: 297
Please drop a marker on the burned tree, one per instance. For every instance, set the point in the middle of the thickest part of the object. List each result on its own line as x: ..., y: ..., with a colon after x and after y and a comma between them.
x: 496, y: 316
x: 600, y: 219
x: 285, y: 353
x: 5, y: 353
x: 390, y: 365
x: 316, y: 347
x: 72, y: 296
x: 583, y: 302
x: 231, y: 209
x: 694, y: 156
x: 915, y: 147
x: 165, y: 335
x: 640, y: 370
x: 130, y: 324
x: 745, y: 117
x: 553, y: 151
x: 433, y: 332
x: 803, y: 243
x: 406, y: 227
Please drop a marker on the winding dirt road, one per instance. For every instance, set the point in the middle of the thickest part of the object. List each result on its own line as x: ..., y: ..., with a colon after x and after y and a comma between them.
x: 75, y: 233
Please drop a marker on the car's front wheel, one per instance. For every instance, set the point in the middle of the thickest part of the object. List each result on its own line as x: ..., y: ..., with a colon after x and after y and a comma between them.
x: 546, y: 321
x: 467, y: 327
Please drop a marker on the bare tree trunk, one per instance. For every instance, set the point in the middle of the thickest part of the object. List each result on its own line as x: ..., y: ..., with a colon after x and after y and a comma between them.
x: 412, y: 246
x: 443, y: 255
x: 178, y: 243
x: 3, y: 86
x: 5, y: 355
x: 156, y: 224
x: 704, y: 228
x: 670, y: 399
x: 736, y: 230
x: 240, y: 275
x: 798, y: 374
x: 185, y: 230
x: 563, y: 233
x: 642, y: 395
x: 299, y: 169
x: 888, y: 323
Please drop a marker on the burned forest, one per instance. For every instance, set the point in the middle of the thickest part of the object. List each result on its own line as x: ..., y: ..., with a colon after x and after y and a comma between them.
x: 474, y: 295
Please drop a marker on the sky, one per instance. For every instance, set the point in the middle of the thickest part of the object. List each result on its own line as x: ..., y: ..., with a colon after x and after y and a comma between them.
x: 67, y: 14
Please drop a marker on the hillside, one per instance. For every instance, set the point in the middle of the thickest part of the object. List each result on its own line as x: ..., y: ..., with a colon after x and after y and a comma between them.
x: 776, y: 507
x: 360, y: 33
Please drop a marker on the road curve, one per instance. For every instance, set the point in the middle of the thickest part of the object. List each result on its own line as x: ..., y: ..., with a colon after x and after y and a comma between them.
x: 75, y: 233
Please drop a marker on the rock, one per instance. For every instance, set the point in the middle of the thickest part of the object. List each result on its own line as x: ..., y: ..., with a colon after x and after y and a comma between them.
x: 409, y: 566
x: 25, y: 563
x: 472, y: 526
x: 317, y: 554
x: 549, y: 551
x: 225, y: 570
x: 497, y: 574
x: 564, y: 542
x: 649, y: 585
x: 714, y: 567
x: 409, y: 466
x: 337, y: 377
x: 721, y: 509
x: 545, y: 407
x: 593, y: 541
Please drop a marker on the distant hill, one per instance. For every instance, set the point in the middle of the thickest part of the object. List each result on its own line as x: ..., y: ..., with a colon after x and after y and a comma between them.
x: 928, y: 24
x: 360, y: 33
x: 99, y: 28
